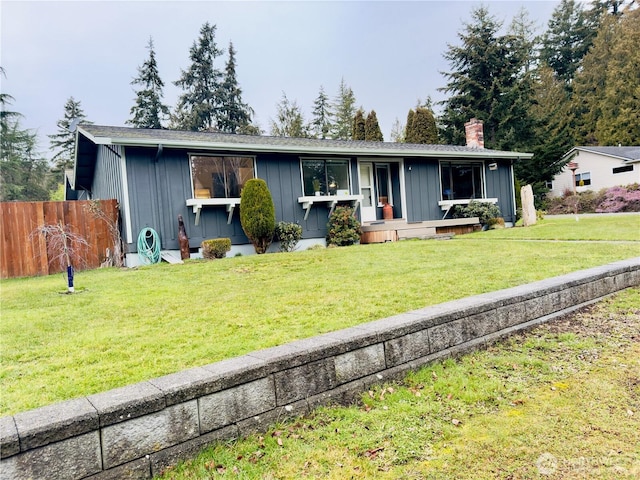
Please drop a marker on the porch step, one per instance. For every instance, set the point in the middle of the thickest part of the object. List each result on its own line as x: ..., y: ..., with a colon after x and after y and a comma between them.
x: 435, y: 236
x: 420, y: 232
x: 171, y: 257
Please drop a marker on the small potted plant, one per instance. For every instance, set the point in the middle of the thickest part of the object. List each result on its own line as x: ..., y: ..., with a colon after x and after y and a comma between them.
x: 316, y: 186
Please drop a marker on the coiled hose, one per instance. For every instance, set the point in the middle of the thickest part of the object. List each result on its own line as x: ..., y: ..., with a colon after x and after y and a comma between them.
x: 149, y: 246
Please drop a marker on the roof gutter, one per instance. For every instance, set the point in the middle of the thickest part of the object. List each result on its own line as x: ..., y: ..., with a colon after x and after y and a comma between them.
x: 303, y: 150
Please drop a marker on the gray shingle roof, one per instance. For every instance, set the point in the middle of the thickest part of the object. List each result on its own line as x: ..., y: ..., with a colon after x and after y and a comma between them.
x: 625, y: 153
x: 208, y: 140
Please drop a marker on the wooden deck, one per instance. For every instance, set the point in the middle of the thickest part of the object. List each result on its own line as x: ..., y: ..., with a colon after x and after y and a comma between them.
x: 398, y: 229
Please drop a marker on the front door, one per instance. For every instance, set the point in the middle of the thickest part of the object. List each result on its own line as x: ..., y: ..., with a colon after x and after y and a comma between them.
x: 367, y: 190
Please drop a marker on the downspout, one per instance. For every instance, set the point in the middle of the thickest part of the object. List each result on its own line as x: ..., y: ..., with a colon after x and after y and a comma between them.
x: 513, y: 198
x: 159, y: 225
x: 158, y: 153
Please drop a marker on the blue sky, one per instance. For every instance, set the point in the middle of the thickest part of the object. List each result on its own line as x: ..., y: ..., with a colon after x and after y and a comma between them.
x: 388, y: 52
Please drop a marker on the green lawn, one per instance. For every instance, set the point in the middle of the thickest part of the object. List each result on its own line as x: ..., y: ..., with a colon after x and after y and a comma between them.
x: 127, y: 325
x: 560, y: 402
x: 606, y: 227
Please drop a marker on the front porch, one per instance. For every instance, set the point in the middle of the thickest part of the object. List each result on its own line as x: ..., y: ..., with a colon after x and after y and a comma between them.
x: 382, y: 231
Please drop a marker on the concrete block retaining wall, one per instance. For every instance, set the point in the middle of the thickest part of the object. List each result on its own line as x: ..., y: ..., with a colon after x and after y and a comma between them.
x: 138, y: 430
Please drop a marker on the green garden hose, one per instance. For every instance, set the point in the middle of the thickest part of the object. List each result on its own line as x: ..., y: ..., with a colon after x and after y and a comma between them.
x: 149, y: 246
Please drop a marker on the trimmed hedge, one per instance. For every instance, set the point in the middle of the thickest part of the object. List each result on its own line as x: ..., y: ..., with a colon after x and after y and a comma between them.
x: 215, y: 248
x: 257, y: 214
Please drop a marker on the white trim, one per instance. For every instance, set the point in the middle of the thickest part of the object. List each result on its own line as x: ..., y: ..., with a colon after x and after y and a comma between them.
x: 513, y: 188
x: 576, y: 151
x: 216, y: 155
x: 460, y: 162
x: 198, y: 203
x: 125, y: 200
x: 331, y: 200
x: 365, y: 211
x: 325, y: 159
x: 447, y: 205
x: 403, y: 189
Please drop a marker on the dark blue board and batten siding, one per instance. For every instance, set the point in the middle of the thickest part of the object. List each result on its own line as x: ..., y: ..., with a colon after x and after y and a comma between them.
x: 160, y: 184
x: 422, y: 180
x: 107, y: 179
x: 499, y: 184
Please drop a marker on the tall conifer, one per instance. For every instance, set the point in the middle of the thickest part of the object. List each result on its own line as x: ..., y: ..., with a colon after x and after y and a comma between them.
x: 234, y: 115
x: 358, y: 131
x: 372, y: 130
x: 344, y: 109
x: 198, y: 107
x: 149, y: 111
x: 321, y: 121
x: 63, y: 142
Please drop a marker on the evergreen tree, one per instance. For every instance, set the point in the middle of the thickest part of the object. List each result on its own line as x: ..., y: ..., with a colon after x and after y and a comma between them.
x: 422, y: 128
x: 63, y: 142
x: 344, y: 111
x: 358, y: 131
x: 590, y: 82
x: 199, y: 106
x: 552, y: 131
x: 321, y: 121
x: 234, y: 115
x: 25, y: 173
x: 372, y: 130
x: 290, y: 120
x: 149, y: 111
x: 397, y: 132
x: 484, y: 82
x: 5, y: 101
x: 619, y: 122
x: 408, y: 129
x: 569, y: 35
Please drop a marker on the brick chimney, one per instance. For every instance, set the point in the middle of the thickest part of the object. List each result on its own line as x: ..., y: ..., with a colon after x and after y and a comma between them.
x: 474, y: 133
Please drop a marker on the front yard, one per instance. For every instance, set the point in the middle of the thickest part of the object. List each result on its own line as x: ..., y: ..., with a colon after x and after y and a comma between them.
x: 559, y: 402
x: 128, y: 325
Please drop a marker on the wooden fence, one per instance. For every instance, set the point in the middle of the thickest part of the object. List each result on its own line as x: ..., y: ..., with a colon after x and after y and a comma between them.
x: 25, y: 251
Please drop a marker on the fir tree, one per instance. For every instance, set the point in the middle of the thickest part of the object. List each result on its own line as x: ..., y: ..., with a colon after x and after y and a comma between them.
x: 344, y: 110
x: 372, y: 130
x: 552, y: 132
x: 149, y: 111
x: 198, y: 107
x: 619, y: 122
x: 397, y: 132
x: 483, y: 82
x: 358, y: 131
x: 321, y: 121
x: 234, y: 115
x: 63, y: 142
x: 25, y: 173
x: 590, y: 82
x: 290, y: 121
x: 567, y: 40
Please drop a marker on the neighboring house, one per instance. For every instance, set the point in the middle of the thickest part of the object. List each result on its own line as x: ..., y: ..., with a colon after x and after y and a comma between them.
x: 597, y: 168
x: 157, y: 175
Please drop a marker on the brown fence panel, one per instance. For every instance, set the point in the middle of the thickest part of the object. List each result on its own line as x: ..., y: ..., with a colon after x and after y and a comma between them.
x: 26, y: 252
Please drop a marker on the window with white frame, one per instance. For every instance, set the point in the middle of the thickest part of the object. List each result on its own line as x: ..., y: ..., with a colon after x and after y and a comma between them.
x: 220, y: 177
x: 583, y: 179
x: 461, y: 180
x: 325, y: 176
